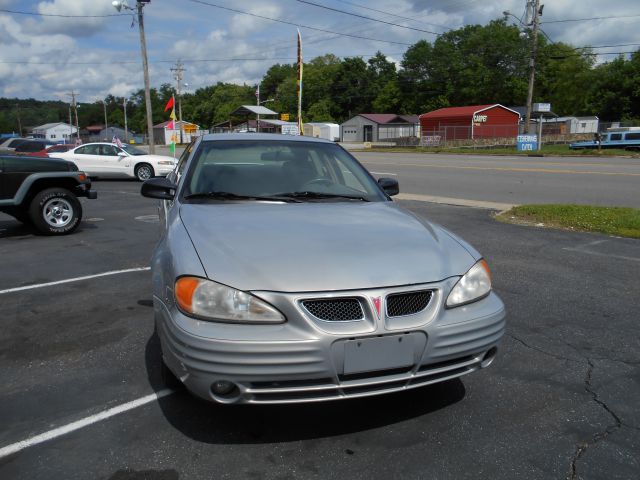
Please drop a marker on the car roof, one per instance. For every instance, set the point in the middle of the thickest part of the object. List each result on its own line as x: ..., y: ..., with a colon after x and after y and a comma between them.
x: 273, y: 137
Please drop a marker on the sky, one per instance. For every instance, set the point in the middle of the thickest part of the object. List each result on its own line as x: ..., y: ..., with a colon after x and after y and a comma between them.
x: 50, y: 48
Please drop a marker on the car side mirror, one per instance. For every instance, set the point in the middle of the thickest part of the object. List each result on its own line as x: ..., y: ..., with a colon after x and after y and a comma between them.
x: 160, y: 188
x: 389, y: 185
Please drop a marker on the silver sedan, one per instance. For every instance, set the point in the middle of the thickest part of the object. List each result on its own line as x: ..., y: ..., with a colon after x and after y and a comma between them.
x: 286, y: 273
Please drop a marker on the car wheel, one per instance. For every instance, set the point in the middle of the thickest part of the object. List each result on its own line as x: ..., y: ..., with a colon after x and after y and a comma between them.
x: 55, y: 211
x: 144, y: 171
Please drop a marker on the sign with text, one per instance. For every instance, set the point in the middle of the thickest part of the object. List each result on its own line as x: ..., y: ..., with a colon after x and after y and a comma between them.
x: 527, y: 143
x: 541, y: 107
x: 284, y: 117
x: 290, y: 130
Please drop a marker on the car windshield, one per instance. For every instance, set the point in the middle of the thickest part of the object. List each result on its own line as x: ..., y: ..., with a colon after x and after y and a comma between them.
x: 281, y: 170
x: 131, y: 150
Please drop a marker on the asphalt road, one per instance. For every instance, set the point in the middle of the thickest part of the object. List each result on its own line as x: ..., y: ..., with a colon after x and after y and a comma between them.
x: 608, y: 181
x: 560, y: 401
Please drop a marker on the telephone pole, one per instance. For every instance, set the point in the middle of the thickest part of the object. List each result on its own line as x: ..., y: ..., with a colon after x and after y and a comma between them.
x: 177, y: 74
x: 74, y: 105
x: 533, y: 12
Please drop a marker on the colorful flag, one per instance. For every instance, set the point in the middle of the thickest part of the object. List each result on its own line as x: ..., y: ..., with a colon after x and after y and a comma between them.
x: 169, y: 104
x: 299, y: 84
x: 171, y: 125
x: 117, y: 141
x: 172, y: 116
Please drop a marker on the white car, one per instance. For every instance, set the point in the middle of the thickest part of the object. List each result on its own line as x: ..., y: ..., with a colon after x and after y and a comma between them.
x: 108, y: 160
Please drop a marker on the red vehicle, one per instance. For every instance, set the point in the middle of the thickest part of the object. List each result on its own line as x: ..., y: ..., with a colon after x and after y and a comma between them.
x: 51, y: 150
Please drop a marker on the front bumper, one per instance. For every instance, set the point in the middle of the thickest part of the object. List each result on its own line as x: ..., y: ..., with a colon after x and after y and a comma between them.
x: 304, y: 359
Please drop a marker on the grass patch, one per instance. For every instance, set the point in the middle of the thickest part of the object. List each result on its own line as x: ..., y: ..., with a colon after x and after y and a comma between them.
x: 619, y: 221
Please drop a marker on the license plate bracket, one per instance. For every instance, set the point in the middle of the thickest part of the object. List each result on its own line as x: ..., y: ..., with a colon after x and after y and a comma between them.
x: 378, y: 353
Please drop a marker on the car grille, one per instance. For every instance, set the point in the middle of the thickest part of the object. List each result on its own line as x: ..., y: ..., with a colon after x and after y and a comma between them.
x: 401, y: 304
x: 335, y: 309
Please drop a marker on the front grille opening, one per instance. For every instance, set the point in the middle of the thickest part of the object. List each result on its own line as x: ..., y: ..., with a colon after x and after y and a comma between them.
x: 447, y: 363
x: 374, y: 388
x: 441, y: 375
x: 293, y: 383
x: 374, y: 374
x: 335, y: 309
x: 291, y: 396
x: 409, y: 303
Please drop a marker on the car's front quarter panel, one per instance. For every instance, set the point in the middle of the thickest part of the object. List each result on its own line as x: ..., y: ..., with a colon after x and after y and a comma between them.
x: 174, y: 256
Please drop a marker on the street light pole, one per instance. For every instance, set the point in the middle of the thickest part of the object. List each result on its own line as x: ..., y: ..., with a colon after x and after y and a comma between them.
x: 119, y: 5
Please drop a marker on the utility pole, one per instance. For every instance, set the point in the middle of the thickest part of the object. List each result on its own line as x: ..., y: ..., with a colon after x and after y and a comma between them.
x: 178, y: 69
x: 145, y: 67
x: 106, y: 126
x: 126, y: 131
x: 19, y: 122
x: 533, y: 12
x: 119, y: 5
x: 75, y: 109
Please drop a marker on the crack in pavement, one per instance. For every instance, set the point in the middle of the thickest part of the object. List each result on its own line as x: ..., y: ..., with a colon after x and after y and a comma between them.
x: 598, y: 437
x: 581, y: 448
x: 559, y: 357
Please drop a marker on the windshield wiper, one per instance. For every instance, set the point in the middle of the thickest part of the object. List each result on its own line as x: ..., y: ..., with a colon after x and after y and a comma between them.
x: 234, y: 196
x: 320, y: 195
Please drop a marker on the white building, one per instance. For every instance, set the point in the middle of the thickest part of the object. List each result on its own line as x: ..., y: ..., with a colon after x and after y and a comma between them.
x: 182, y: 132
x: 58, y: 132
x: 567, y: 125
x: 328, y: 131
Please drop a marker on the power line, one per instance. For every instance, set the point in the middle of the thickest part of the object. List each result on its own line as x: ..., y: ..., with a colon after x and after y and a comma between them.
x: 195, y: 60
x: 296, y: 24
x: 366, y: 18
x: 414, y: 19
x: 37, y: 14
x: 591, y: 18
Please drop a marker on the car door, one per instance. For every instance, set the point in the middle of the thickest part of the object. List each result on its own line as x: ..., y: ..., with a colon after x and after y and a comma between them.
x: 86, y: 157
x: 12, y: 174
x: 114, y: 161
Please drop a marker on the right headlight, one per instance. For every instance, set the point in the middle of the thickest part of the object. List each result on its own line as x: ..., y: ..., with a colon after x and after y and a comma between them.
x: 474, y: 285
x: 202, y: 298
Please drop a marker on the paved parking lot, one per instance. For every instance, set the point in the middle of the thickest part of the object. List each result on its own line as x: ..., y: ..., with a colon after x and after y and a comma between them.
x: 80, y: 365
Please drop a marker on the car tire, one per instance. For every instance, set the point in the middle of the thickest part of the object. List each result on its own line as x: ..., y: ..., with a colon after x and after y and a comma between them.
x: 55, y: 211
x: 144, y: 171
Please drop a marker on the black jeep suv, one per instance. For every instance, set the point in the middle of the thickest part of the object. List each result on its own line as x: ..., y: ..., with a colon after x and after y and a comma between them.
x: 43, y: 192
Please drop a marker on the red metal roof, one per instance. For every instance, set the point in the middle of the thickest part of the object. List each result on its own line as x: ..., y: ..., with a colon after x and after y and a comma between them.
x: 460, y: 111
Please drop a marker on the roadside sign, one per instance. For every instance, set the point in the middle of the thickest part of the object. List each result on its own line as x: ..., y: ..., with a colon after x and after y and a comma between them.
x: 541, y: 107
x: 527, y: 143
x: 290, y: 129
x: 284, y: 117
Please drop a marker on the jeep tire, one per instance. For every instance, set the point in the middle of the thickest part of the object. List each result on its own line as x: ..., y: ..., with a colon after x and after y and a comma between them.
x: 55, y: 211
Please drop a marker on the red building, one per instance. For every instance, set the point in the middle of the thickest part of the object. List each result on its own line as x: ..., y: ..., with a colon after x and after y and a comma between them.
x: 479, y: 121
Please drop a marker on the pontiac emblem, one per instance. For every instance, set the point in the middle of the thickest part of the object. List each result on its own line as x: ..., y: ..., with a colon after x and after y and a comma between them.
x: 376, y: 303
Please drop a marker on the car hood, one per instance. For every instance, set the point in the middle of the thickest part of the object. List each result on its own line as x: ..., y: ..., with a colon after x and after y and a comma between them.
x: 296, y: 247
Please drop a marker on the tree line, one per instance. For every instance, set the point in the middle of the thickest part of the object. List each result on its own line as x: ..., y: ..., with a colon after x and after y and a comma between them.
x: 473, y: 65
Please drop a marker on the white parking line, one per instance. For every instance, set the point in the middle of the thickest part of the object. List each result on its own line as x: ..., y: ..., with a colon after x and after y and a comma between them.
x: 584, y: 249
x: 57, y: 432
x: 76, y: 279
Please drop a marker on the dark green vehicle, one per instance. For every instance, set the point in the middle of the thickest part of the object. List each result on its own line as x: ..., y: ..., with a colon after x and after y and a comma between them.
x: 43, y: 192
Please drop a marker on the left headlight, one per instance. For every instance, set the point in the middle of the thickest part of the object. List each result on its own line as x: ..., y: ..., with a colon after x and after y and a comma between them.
x: 202, y: 298
x: 474, y: 285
